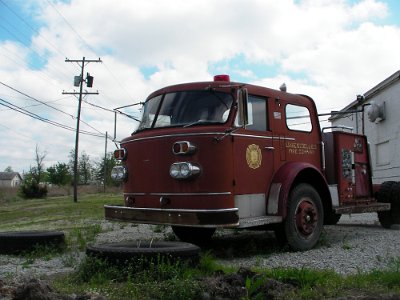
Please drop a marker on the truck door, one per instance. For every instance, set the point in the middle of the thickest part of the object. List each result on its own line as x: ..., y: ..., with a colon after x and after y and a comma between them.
x: 253, y: 160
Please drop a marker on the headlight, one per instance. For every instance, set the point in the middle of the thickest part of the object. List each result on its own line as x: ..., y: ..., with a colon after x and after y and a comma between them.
x: 119, y: 173
x: 184, y: 170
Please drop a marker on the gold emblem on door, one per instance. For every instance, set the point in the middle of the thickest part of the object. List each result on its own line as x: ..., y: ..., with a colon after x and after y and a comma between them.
x: 253, y: 156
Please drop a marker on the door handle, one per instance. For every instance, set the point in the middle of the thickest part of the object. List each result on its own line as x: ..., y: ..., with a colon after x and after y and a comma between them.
x: 269, y: 148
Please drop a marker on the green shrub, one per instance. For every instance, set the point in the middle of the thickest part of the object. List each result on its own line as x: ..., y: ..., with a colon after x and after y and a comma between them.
x: 30, y: 188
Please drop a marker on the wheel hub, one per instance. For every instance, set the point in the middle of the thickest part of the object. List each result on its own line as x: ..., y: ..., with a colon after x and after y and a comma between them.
x: 306, y: 217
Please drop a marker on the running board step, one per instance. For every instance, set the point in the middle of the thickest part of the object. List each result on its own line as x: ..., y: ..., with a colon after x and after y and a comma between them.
x: 258, y: 221
x: 364, y: 208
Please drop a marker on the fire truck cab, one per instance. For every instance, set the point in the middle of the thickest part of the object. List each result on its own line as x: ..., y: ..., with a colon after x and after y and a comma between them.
x: 218, y: 154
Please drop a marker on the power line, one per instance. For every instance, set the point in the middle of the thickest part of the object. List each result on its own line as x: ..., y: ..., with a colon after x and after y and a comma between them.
x: 40, y: 118
x: 46, y: 104
x: 33, y: 29
x: 30, y: 97
x: 39, y: 104
x: 118, y: 81
x: 56, y: 48
x: 89, y: 47
x: 70, y: 26
x: 58, y: 69
x: 98, y: 106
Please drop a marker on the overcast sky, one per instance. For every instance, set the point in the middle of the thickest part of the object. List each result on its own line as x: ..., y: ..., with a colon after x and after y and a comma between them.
x: 331, y: 50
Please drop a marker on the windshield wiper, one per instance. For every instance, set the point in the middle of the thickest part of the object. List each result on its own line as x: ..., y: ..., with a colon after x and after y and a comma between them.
x: 213, y: 92
x: 201, y: 121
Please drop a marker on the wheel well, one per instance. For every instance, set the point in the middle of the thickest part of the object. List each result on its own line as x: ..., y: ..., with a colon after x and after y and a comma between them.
x: 315, y: 179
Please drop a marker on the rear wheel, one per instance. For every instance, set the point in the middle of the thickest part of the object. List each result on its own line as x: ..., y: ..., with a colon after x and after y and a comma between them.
x: 305, y: 218
x: 195, y: 235
x: 389, y: 193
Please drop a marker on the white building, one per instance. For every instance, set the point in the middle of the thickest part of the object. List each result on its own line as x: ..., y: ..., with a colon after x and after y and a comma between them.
x: 10, y: 179
x: 377, y: 115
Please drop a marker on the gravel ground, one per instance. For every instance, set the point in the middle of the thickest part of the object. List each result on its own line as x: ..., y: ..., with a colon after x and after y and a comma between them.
x: 357, y: 244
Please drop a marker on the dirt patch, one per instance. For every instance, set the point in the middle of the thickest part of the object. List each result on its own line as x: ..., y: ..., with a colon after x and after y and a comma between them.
x: 243, y: 284
x: 37, y: 289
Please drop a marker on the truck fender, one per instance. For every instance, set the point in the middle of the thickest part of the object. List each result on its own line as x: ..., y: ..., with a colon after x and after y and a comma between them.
x: 289, y: 175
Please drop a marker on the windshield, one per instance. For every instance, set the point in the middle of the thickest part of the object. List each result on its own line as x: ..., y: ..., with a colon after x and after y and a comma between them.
x: 186, y: 108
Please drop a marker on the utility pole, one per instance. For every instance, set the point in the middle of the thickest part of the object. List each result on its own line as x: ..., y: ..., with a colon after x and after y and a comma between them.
x: 105, y: 163
x: 78, y: 81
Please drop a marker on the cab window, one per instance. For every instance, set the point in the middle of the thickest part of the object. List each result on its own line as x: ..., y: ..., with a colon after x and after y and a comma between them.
x: 257, y: 113
x: 298, y: 118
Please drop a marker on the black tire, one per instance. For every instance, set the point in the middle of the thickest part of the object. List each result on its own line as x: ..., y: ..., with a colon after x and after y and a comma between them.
x: 389, y: 193
x: 332, y: 218
x: 22, y: 241
x: 305, y: 218
x: 195, y: 235
x: 147, y: 250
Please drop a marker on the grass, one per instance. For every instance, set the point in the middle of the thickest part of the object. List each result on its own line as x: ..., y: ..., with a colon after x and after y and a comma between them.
x: 59, y: 213
x: 81, y: 222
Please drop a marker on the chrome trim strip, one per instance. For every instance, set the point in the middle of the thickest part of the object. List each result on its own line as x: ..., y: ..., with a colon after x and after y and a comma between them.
x: 208, y: 133
x: 323, y: 156
x: 191, y: 194
x: 134, y: 194
x: 263, y: 137
x: 173, y: 210
x: 172, y: 135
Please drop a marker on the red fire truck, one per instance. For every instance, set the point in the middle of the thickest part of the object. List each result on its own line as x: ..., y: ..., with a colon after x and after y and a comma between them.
x: 223, y: 154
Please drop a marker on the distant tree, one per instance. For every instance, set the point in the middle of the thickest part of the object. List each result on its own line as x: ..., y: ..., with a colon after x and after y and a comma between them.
x: 8, y: 169
x: 71, y: 157
x: 105, y: 165
x: 85, y: 168
x: 59, y: 174
x: 31, y: 187
x: 38, y: 171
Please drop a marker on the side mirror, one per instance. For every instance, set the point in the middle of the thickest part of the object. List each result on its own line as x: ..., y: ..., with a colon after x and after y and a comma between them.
x: 242, y: 105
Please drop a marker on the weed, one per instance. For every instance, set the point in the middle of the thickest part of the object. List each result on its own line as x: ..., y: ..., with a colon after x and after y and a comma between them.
x: 45, y: 252
x: 70, y: 259
x: 253, y: 288
x: 323, y: 239
x: 208, y: 264
x: 158, y: 228
x: 154, y: 279
x: 169, y: 236
x: 27, y: 263
x: 346, y: 246
x: 80, y: 237
x: 345, y: 243
x: 394, y: 264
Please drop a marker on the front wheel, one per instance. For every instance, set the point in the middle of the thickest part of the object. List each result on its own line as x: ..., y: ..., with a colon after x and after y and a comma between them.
x: 305, y: 218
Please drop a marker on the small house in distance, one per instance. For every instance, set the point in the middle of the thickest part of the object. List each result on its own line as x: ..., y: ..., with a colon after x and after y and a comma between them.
x: 377, y: 115
x: 10, y: 179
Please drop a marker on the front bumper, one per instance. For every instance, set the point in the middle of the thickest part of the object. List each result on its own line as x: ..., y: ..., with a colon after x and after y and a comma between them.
x: 184, y: 217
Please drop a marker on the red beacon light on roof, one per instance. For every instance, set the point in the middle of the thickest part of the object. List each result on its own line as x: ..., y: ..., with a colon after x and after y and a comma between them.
x: 222, y: 77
